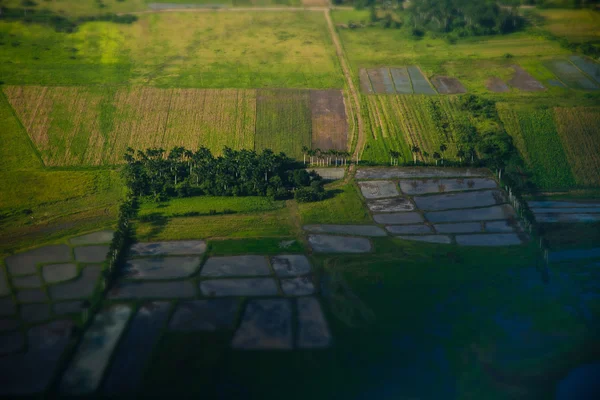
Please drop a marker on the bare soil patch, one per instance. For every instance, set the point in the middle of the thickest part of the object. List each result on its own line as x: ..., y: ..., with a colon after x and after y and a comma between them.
x: 376, y: 77
x: 522, y: 80
x: 365, y: 82
x: 496, y: 85
x: 448, y: 85
x: 315, y: 3
x: 329, y: 120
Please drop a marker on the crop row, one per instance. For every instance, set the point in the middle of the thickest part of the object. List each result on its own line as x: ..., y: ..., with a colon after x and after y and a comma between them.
x: 400, y: 122
x: 94, y: 125
x: 579, y: 131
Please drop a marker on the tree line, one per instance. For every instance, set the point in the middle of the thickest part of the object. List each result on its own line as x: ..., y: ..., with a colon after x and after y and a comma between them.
x: 464, y: 17
x: 158, y: 174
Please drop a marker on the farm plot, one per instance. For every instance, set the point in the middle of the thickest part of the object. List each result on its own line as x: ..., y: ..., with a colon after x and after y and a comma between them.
x: 365, y: 82
x: 329, y: 120
x: 496, y: 85
x: 579, y: 131
x: 535, y: 135
x: 403, y: 80
x: 476, y: 215
x: 94, y: 126
x: 420, y: 84
x: 571, y: 75
x: 588, y: 66
x: 60, y: 121
x: 448, y: 85
x: 399, y: 122
x: 376, y: 76
x: 283, y: 121
x: 522, y: 80
x: 91, y: 126
x: 211, y: 118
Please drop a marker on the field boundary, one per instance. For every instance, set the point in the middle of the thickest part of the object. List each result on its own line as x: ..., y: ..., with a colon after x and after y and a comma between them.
x: 24, y: 131
x: 360, y: 142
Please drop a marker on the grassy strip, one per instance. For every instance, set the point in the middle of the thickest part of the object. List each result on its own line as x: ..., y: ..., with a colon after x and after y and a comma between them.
x: 270, y: 224
x: 204, y: 205
x: 345, y: 207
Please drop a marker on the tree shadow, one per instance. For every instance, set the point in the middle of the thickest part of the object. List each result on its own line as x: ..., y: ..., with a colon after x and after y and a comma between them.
x: 157, y: 222
x: 330, y: 194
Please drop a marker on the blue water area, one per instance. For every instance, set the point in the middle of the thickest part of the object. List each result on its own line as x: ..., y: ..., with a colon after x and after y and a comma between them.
x: 553, y: 82
x: 516, y: 327
x: 412, y: 370
x: 580, y: 254
x: 582, y: 383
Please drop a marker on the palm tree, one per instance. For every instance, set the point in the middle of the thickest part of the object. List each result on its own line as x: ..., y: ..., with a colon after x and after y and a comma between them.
x: 304, y: 151
x: 436, y: 156
x: 472, y: 154
x: 460, y: 154
x: 310, y: 153
x: 443, y: 148
x: 392, y: 156
x: 425, y: 155
x: 415, y: 150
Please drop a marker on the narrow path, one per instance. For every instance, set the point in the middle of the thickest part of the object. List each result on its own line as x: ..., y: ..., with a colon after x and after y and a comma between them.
x: 237, y: 9
x: 292, y: 206
x: 360, y: 142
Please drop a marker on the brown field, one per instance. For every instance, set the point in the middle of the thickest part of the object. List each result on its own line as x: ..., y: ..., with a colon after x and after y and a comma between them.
x: 365, y: 83
x: 579, y: 131
x: 376, y: 77
x: 448, y: 85
x: 525, y: 82
x: 315, y: 3
x: 329, y: 120
x: 496, y: 85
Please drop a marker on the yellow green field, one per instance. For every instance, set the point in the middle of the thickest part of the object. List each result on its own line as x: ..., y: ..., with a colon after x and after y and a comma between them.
x: 575, y: 25
x: 579, y: 131
x: 398, y: 122
x: 177, y: 49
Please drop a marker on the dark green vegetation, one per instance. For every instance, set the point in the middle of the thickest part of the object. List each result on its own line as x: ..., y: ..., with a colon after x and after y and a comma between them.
x: 463, y: 340
x: 463, y: 17
x: 184, y: 173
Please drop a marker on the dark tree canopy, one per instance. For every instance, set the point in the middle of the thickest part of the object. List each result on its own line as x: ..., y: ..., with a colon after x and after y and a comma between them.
x: 464, y: 17
x: 182, y: 172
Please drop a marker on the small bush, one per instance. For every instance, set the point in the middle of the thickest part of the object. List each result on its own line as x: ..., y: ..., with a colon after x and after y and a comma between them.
x: 419, y: 33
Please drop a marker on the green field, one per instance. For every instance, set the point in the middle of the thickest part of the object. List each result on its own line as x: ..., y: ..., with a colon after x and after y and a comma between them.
x: 345, y: 207
x: 558, y: 145
x: 399, y: 122
x: 206, y: 49
x: 205, y: 204
x: 90, y: 7
x: 38, y: 205
x: 283, y: 121
x: 471, y: 60
x: 575, y: 25
x: 541, y: 147
x: 255, y: 225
